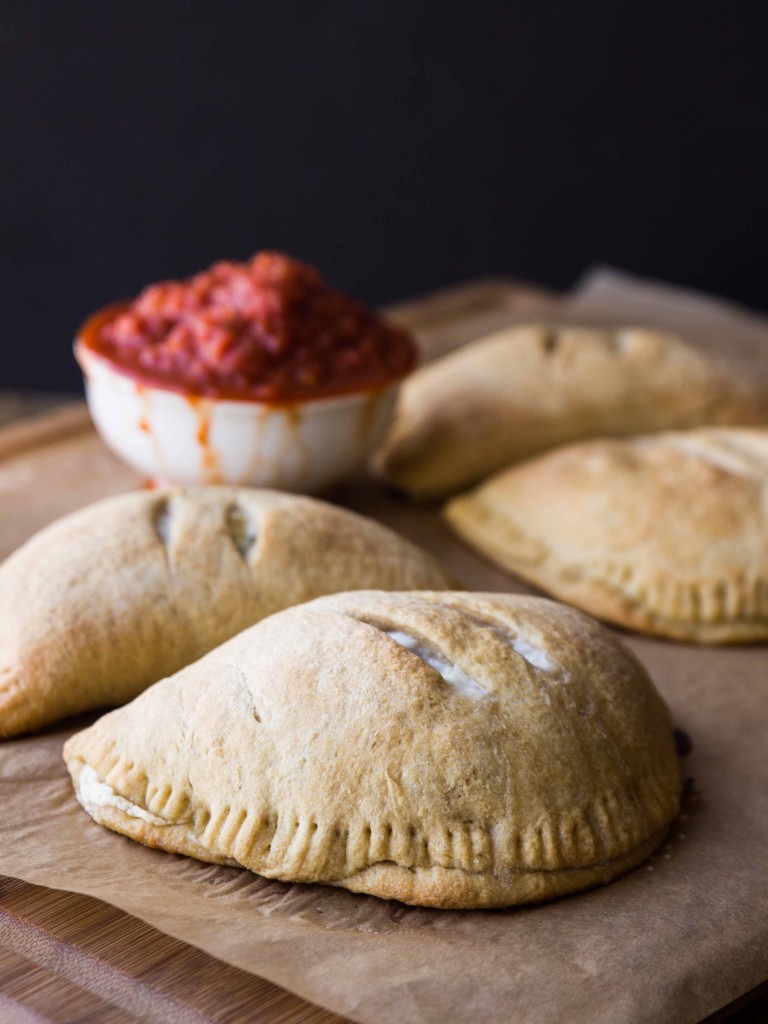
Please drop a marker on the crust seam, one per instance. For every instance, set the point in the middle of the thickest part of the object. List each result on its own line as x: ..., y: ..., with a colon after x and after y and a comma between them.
x: 292, y: 842
x: 740, y: 599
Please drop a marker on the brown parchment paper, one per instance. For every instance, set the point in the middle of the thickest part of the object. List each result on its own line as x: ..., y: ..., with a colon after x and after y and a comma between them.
x: 673, y: 941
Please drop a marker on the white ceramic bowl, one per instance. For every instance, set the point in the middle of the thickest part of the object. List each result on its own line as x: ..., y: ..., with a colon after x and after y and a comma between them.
x: 300, y: 446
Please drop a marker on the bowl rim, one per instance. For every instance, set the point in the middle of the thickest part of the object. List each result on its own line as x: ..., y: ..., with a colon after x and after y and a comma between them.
x: 86, y: 355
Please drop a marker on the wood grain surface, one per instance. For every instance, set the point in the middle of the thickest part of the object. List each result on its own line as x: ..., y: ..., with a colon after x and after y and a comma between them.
x: 70, y: 959
x: 114, y: 967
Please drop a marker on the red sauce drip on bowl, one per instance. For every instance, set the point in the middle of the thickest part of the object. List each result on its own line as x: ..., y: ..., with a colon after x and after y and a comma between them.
x: 269, y: 330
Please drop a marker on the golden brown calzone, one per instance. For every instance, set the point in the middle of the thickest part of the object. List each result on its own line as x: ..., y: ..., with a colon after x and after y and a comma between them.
x: 443, y: 749
x: 106, y: 601
x: 523, y: 390
x: 666, y: 534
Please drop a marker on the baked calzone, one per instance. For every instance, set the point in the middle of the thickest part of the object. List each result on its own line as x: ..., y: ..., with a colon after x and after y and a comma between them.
x: 667, y: 534
x: 106, y: 601
x: 443, y: 749
x: 523, y: 390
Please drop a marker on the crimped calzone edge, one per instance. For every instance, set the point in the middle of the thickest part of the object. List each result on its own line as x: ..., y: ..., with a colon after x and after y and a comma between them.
x: 666, y: 534
x: 447, y: 750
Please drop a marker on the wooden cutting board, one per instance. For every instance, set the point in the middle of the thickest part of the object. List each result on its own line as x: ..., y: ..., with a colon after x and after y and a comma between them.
x: 70, y: 958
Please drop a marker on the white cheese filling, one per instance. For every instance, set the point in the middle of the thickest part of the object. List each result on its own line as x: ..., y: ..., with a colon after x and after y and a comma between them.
x: 93, y: 793
x: 533, y: 655
x: 455, y: 677
x: 450, y: 673
x: 536, y: 657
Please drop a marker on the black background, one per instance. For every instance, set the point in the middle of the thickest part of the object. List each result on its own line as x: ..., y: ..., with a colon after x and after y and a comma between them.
x: 400, y: 146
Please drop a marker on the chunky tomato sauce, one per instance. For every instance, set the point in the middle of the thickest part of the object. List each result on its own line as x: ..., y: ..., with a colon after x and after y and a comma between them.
x: 270, y: 329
